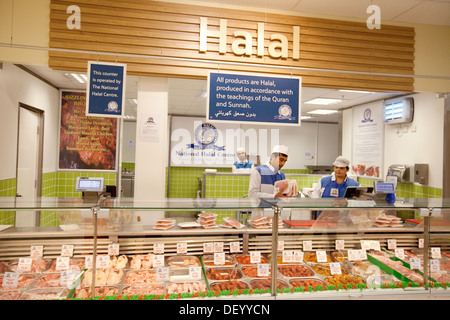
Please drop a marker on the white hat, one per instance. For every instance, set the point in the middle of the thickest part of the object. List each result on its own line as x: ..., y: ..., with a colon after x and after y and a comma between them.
x: 341, y: 162
x: 240, y: 149
x: 280, y: 149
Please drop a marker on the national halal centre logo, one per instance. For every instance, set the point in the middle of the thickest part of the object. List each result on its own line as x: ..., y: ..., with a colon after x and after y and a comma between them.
x: 367, y: 116
x: 206, y: 136
x: 284, y: 113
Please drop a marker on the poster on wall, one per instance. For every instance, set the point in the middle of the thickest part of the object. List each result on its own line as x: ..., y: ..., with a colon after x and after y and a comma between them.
x: 256, y: 99
x: 85, y: 142
x: 198, y: 143
x: 368, y: 139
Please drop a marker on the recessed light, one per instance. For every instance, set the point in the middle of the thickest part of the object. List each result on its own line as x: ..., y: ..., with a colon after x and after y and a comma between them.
x: 322, y: 111
x: 305, y: 117
x: 355, y: 91
x: 79, y: 77
x: 323, y: 101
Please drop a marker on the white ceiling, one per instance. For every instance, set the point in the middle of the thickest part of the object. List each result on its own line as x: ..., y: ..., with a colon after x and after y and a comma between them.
x: 185, y: 95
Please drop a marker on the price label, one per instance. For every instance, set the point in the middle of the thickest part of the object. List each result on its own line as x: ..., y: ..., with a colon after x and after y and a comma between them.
x: 67, y: 250
x: 400, y: 253
x: 181, y: 248
x: 37, y: 251
x: 255, y: 257
x: 10, y: 279
x: 195, y: 273
x: 435, y: 253
x: 307, y: 245
x: 415, y: 263
x: 218, y: 246
x: 88, y: 261
x: 62, y: 263
x: 162, y: 274
x: 365, y: 244
x: 68, y: 277
x: 335, y: 268
x: 435, y: 265
x: 353, y: 255
x: 219, y: 258
x: 158, y: 260
x: 340, y: 244
x: 392, y: 243
x: 287, y: 256
x: 298, y: 256
x: 113, y: 249
x: 375, y: 245
x: 158, y: 248
x: 24, y: 264
x: 421, y: 243
x: 234, y: 247
x: 263, y: 270
x: 208, y: 248
x: 280, y: 245
x: 362, y: 254
x: 102, y: 262
x: 321, y: 256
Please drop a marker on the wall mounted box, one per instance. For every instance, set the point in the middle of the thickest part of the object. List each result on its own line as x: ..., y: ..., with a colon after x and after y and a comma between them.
x: 421, y: 173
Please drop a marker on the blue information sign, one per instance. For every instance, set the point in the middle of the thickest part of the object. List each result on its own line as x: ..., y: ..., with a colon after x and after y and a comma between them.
x: 256, y: 99
x: 106, y: 89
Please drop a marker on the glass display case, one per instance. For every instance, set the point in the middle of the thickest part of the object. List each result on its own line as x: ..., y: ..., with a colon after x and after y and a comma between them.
x: 358, y: 248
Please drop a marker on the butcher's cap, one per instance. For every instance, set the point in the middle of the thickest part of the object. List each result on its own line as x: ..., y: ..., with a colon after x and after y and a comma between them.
x: 341, y: 162
x: 240, y: 149
x: 281, y: 149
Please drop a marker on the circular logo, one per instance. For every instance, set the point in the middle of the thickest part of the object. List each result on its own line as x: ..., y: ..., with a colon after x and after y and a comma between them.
x: 113, y: 106
x: 206, y: 134
x: 285, y: 111
x: 367, y: 114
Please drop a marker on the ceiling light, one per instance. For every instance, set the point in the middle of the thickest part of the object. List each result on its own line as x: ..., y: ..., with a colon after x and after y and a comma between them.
x: 322, y: 111
x: 355, y: 91
x: 305, y: 117
x: 323, y: 101
x: 78, y: 77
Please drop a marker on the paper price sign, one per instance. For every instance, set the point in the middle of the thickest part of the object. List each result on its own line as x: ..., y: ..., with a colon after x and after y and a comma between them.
x: 435, y: 265
x: 219, y: 258
x: 435, y: 253
x: 36, y: 251
x: 113, y: 249
x: 362, y: 254
x: 335, y: 268
x: 102, y: 262
x: 195, y: 273
x: 24, y: 264
x: 218, y: 246
x: 62, y: 263
x: 158, y: 260
x: 208, y: 248
x: 181, y: 248
x: 321, y: 256
x: 255, y: 257
x: 307, y: 245
x: 263, y: 270
x: 287, y: 256
x: 162, y: 274
x: 68, y: 277
x: 88, y: 260
x: 158, y: 248
x: 375, y: 245
x: 10, y: 279
x: 353, y: 255
x: 400, y: 253
x: 415, y: 263
x: 365, y: 244
x: 67, y: 250
x: 298, y: 256
x: 340, y: 244
x: 392, y: 243
x: 280, y: 245
x: 421, y: 243
x: 234, y: 247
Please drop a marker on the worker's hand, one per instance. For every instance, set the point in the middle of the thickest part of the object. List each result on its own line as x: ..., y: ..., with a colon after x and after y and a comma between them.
x: 280, y: 195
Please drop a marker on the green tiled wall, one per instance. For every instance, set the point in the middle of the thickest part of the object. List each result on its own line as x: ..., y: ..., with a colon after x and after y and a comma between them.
x: 7, y: 189
x: 408, y: 190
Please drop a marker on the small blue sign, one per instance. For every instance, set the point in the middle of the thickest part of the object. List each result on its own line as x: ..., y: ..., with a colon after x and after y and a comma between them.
x: 106, y: 89
x: 256, y: 99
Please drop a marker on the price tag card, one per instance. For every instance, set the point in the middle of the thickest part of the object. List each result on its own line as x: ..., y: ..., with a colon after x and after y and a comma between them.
x: 263, y: 270
x: 321, y: 256
x: 340, y: 244
x: 62, y: 263
x: 255, y: 257
x: 280, y: 245
x: 435, y: 253
x: 37, y: 251
x: 113, y: 249
x: 67, y: 250
x: 392, y: 243
x: 365, y: 244
x: 400, y: 253
x: 219, y: 258
x: 375, y: 245
x: 234, y: 247
x: 362, y: 254
x: 102, y: 262
x: 195, y: 273
x: 10, y: 279
x: 158, y: 260
x: 298, y: 256
x: 287, y: 256
x: 24, y: 264
x: 435, y: 265
x: 307, y: 245
x: 88, y: 261
x: 162, y: 274
x: 181, y: 247
x: 208, y: 248
x: 421, y: 243
x: 218, y: 246
x: 335, y: 268
x: 158, y: 248
x: 68, y: 277
x: 353, y: 255
x: 415, y: 263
